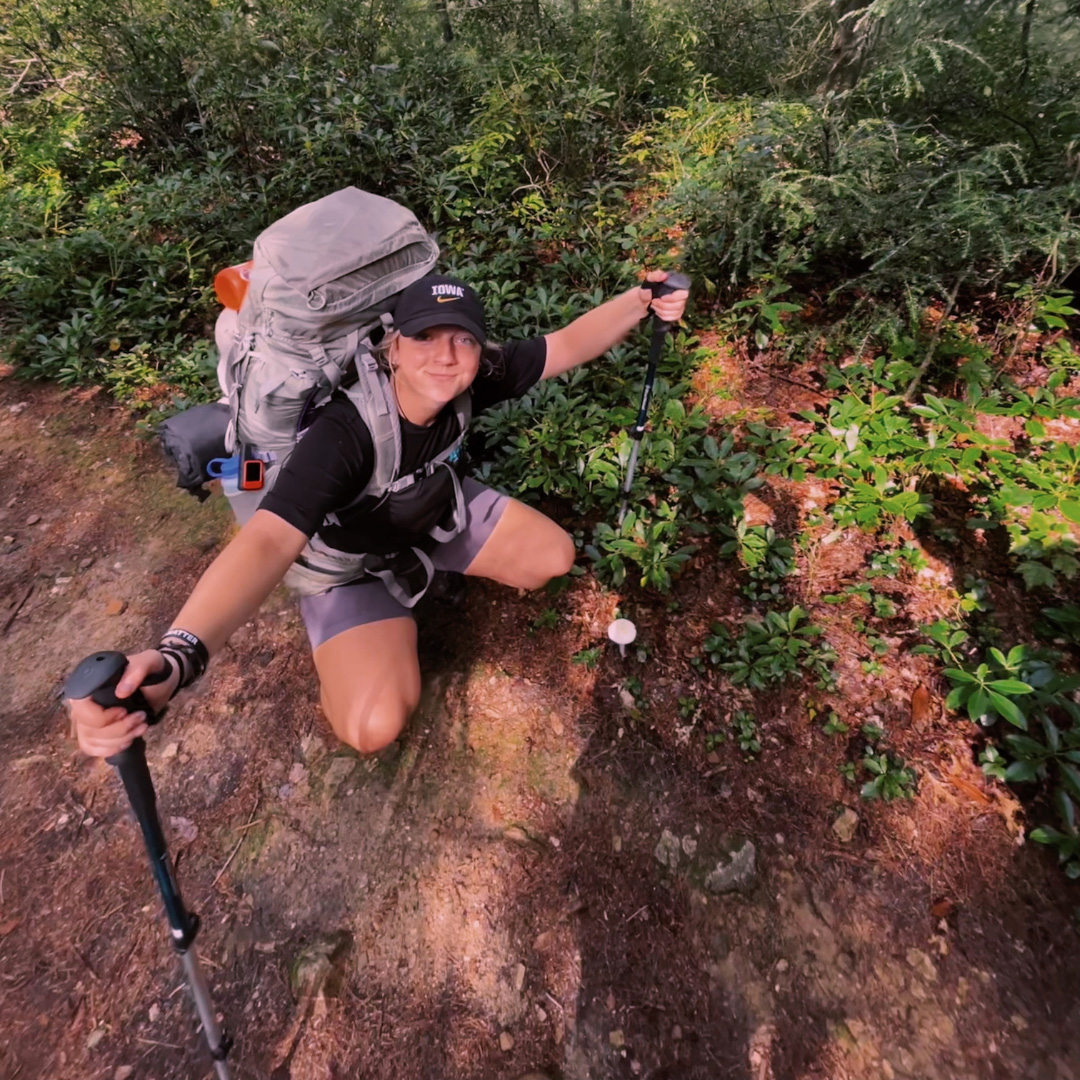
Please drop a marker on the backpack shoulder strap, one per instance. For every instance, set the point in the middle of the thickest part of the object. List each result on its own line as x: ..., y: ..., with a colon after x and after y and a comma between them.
x: 373, y: 397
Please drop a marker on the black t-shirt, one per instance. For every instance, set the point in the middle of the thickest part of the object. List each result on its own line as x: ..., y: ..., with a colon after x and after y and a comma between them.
x: 333, y: 461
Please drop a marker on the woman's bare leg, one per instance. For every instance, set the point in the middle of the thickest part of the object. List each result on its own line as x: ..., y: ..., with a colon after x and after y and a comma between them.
x: 370, y: 678
x: 525, y: 549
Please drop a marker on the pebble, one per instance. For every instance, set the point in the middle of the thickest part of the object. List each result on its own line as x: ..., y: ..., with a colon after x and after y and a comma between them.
x: 922, y: 964
x: 556, y: 723
x: 846, y: 825
x: 667, y: 849
x: 94, y: 1038
x: 617, y: 1038
x: 540, y: 1014
x: 676, y: 1033
x: 506, y: 1042
x: 186, y: 830
x: 33, y: 519
x: 116, y: 607
x: 154, y: 1013
x: 170, y: 751
x: 85, y: 564
x: 123, y: 1072
x: 297, y: 773
x: 519, y: 977
x: 339, y: 770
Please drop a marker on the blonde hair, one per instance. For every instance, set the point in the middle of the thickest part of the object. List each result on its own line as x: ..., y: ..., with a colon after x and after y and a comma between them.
x: 383, y: 351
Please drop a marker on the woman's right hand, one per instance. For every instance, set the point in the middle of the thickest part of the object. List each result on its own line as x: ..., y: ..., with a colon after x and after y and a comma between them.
x: 103, y: 732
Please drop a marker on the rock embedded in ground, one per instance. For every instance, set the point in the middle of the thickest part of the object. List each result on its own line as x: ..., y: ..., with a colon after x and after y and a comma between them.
x: 667, y: 850
x: 519, y: 977
x: 338, y: 771
x: 922, y: 964
x: 846, y: 825
x: 737, y: 874
x: 617, y: 1039
x: 186, y: 831
x: 506, y: 1042
x: 116, y: 607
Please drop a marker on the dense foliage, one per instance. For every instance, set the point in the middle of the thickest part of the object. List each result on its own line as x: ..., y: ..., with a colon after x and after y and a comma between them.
x: 889, y: 185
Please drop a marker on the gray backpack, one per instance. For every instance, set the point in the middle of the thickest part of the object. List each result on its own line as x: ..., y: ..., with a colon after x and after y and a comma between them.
x: 324, y: 279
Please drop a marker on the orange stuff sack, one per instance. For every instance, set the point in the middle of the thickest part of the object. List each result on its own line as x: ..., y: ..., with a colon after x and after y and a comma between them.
x: 231, y: 284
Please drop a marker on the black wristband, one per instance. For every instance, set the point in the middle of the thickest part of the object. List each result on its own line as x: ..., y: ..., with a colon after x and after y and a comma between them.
x: 188, y: 659
x: 194, y: 641
x: 177, y: 662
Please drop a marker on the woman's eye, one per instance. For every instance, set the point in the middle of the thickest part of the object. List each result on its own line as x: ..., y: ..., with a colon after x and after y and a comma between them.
x: 467, y: 340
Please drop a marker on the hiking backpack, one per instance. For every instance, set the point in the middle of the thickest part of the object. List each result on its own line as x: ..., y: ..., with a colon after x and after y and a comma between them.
x: 323, y: 282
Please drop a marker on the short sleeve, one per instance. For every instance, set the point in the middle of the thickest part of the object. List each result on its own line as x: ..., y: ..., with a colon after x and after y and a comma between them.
x: 330, y: 465
x: 517, y: 370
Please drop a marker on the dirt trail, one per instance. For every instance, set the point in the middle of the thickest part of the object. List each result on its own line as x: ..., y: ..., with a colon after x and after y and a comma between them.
x: 522, y: 888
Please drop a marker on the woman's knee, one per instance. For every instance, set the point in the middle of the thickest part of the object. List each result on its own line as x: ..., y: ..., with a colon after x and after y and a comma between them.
x: 370, y: 726
x: 560, y: 556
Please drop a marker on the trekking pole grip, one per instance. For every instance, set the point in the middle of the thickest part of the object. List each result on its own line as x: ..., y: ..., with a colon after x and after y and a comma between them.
x: 672, y: 283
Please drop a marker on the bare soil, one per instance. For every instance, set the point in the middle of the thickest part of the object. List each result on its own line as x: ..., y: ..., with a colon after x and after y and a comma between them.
x: 485, y: 900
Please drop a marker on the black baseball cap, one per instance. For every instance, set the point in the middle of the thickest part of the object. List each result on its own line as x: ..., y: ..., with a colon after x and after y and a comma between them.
x: 438, y: 300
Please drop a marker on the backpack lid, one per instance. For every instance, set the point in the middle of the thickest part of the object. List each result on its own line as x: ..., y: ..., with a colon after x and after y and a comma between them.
x: 337, y: 235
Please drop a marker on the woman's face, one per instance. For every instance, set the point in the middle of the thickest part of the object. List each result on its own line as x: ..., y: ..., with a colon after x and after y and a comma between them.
x: 434, y: 366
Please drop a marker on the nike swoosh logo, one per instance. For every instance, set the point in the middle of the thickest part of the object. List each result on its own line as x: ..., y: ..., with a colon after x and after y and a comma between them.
x: 446, y: 299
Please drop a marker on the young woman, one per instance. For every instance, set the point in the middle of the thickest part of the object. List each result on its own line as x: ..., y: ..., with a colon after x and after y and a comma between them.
x: 362, y: 635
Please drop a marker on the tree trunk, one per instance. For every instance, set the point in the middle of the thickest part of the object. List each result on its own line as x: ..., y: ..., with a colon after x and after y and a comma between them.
x: 853, y: 35
x: 443, y: 12
x: 1025, y: 42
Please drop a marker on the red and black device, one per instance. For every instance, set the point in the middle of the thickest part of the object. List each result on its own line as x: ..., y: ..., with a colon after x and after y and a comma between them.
x: 252, y: 471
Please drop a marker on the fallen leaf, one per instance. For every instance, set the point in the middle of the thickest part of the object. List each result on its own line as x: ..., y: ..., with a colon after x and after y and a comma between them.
x: 920, y: 707
x: 757, y: 512
x: 942, y: 909
x: 969, y: 789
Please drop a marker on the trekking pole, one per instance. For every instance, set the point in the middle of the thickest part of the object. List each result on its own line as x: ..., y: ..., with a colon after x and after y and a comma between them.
x: 673, y: 283
x: 96, y: 678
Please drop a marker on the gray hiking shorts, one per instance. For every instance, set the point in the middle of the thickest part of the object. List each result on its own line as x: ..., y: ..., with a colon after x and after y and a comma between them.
x: 341, y: 608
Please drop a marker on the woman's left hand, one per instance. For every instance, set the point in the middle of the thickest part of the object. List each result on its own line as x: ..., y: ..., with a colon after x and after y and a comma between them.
x: 669, y: 308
